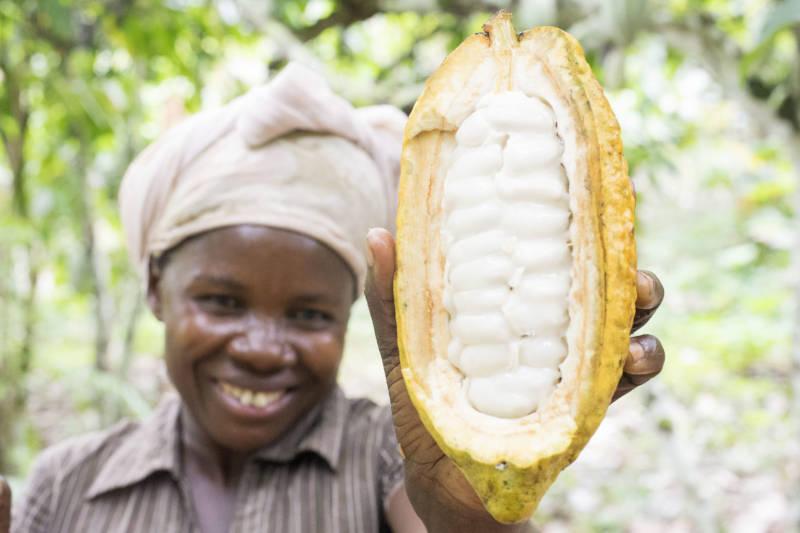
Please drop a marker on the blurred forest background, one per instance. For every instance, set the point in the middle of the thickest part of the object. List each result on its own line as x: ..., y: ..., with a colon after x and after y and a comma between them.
x: 708, y: 95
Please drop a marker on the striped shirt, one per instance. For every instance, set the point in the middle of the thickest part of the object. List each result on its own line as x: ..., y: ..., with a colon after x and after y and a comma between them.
x: 333, y: 473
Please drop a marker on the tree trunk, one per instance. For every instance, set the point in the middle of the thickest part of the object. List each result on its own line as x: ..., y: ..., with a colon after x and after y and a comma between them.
x: 100, y: 300
x: 26, y: 349
x: 18, y: 358
x: 131, y: 325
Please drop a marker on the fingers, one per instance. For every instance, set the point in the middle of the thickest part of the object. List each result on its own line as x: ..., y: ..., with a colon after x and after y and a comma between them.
x: 5, y: 506
x: 649, y: 295
x: 379, y: 293
x: 646, y: 357
x: 645, y: 361
x: 380, y: 245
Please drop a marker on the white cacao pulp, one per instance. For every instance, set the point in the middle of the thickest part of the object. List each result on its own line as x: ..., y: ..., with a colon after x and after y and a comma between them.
x: 507, y: 256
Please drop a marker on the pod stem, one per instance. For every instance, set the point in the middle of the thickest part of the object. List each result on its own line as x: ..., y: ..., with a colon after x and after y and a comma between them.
x: 504, y: 40
x: 501, y: 31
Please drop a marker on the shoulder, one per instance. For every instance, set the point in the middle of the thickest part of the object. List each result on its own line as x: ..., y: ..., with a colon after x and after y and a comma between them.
x: 63, y: 470
x: 366, y: 409
x: 365, y: 416
x: 66, y: 473
x: 76, y: 455
x: 76, y: 452
x: 369, y: 426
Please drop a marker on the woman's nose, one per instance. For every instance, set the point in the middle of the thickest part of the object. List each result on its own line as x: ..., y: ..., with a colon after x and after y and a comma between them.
x: 262, y: 345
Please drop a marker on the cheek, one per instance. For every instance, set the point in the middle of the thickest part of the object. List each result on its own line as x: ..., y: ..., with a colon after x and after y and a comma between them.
x: 322, y: 353
x: 189, y: 335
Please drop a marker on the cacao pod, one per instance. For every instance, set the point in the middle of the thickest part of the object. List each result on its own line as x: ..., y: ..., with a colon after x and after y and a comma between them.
x: 516, y: 264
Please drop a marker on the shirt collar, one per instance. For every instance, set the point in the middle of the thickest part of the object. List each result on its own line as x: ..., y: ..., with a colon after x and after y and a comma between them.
x: 154, y: 446
x: 320, y: 431
x: 151, y: 447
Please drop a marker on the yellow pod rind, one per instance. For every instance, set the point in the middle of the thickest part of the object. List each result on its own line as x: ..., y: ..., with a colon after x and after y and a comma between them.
x: 512, y: 472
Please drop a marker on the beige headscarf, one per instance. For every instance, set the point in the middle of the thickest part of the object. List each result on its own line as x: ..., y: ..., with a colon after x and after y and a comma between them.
x: 290, y: 154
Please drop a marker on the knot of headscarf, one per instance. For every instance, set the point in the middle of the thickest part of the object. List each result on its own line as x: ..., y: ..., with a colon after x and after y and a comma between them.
x: 290, y: 154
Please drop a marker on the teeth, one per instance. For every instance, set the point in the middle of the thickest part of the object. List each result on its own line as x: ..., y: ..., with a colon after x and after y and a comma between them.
x: 246, y: 398
x: 260, y: 399
x: 250, y: 397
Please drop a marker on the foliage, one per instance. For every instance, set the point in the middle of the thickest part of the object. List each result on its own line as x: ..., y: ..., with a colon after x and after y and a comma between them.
x: 708, y: 94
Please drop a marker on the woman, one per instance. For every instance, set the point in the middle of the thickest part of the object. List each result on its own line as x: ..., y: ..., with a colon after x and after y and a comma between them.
x: 248, y: 224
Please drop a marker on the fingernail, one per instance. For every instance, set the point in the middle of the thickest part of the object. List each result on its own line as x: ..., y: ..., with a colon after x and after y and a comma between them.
x: 370, y: 255
x: 645, y: 289
x: 636, y: 352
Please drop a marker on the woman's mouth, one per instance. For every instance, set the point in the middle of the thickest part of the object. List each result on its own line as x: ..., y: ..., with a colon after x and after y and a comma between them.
x: 251, y: 402
x: 251, y: 397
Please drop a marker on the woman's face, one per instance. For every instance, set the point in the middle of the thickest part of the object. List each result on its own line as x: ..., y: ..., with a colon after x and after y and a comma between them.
x: 255, y: 322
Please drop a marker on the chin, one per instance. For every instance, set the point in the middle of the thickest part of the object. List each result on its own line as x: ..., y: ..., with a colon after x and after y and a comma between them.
x: 246, y: 440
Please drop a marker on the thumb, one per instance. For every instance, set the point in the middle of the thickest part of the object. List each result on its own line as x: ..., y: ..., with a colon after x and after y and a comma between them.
x: 380, y: 296
x: 5, y: 506
x: 380, y: 299
x: 414, y: 440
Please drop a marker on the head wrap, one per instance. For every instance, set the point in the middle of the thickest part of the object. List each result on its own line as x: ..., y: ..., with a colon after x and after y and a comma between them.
x: 290, y: 154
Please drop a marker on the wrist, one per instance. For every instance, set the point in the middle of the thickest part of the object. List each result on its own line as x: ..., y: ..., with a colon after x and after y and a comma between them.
x: 451, y: 522
x: 452, y: 516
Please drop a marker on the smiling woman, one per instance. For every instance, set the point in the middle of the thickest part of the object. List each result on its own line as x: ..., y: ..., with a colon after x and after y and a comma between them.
x: 248, y: 224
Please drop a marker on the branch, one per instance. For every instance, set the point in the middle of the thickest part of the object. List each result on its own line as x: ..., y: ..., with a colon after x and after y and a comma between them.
x: 15, y: 147
x: 120, y: 10
x: 337, y: 18
x: 6, y: 143
x: 349, y: 12
x: 409, y: 54
x: 465, y: 8
x: 84, y: 35
x: 700, y: 39
x: 62, y: 44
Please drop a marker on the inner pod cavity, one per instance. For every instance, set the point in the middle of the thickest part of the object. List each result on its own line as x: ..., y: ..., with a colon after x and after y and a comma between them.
x: 507, y: 256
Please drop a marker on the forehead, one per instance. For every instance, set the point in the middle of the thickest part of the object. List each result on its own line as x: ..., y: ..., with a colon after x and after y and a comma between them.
x: 259, y: 256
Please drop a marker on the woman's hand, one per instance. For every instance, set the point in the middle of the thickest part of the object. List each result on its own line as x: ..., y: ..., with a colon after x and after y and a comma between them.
x: 645, y: 355
x: 440, y: 494
x: 5, y: 506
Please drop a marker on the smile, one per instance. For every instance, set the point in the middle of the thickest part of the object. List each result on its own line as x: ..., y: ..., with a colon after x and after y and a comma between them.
x: 250, y: 398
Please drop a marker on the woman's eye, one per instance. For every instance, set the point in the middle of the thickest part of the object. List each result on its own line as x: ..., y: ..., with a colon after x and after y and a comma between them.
x: 311, y: 316
x: 220, y: 302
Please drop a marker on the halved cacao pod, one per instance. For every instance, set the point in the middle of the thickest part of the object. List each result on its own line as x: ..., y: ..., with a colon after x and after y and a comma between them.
x: 515, y: 288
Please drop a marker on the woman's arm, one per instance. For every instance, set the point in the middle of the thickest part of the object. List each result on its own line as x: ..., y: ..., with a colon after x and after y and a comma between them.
x: 403, y: 519
x: 400, y: 513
